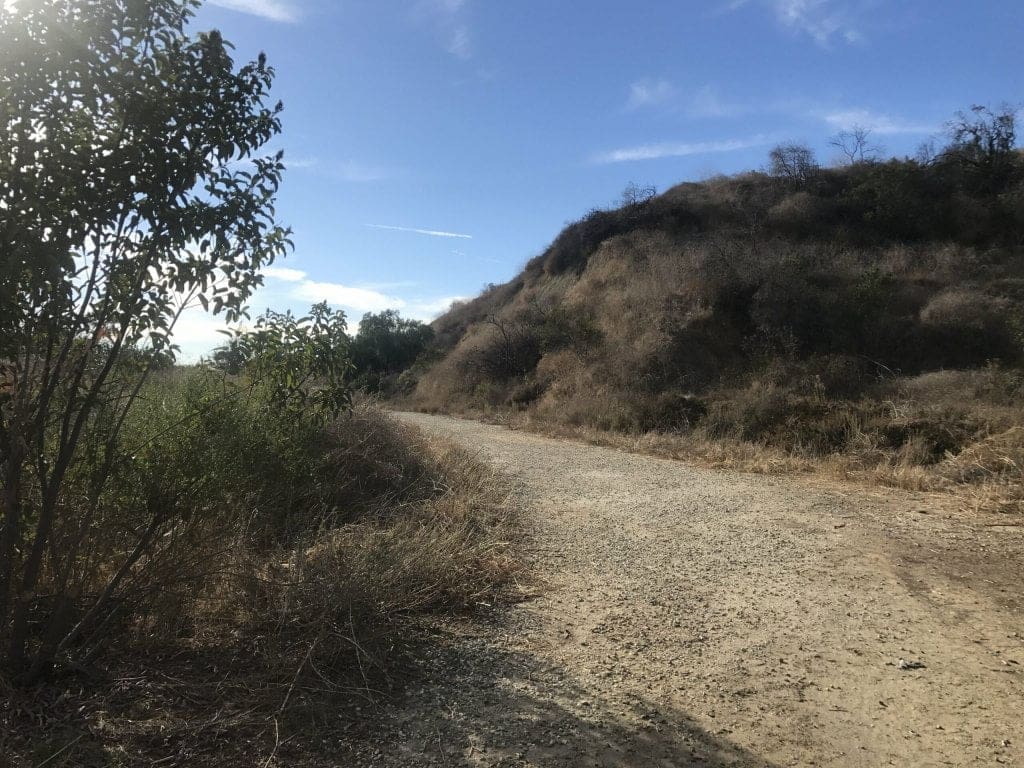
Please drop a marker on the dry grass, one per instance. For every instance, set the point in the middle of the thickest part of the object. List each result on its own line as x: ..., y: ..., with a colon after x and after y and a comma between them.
x: 958, y: 433
x: 281, y: 653
x: 985, y: 478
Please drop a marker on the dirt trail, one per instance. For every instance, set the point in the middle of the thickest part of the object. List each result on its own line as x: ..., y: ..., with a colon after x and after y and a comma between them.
x: 697, y: 617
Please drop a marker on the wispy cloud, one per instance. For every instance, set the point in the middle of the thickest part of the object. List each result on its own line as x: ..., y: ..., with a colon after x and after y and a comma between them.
x: 345, y: 170
x: 414, y: 230
x: 449, y: 17
x: 708, y: 102
x: 300, y: 163
x: 879, y: 123
x: 705, y: 102
x: 273, y: 10
x: 647, y: 93
x: 460, y: 43
x: 821, y: 20
x: 675, y: 149
x: 358, y: 173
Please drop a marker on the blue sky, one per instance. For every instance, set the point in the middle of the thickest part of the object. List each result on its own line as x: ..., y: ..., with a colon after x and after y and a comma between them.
x: 435, y: 145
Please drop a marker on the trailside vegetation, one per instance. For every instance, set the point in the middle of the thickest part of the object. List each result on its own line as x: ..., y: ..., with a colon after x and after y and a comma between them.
x: 132, y: 188
x: 163, y: 525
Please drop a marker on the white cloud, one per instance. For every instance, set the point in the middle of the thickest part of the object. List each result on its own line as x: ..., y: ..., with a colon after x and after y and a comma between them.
x: 390, y: 285
x: 647, y: 93
x: 273, y: 10
x: 359, y: 300
x: 350, y: 297
x: 429, y: 309
x: 817, y: 18
x: 878, y: 123
x: 821, y: 20
x: 286, y: 274
x: 679, y: 149
x: 430, y: 232
x: 197, y: 332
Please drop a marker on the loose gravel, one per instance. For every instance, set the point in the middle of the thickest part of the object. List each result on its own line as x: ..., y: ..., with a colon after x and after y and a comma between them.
x: 691, y: 617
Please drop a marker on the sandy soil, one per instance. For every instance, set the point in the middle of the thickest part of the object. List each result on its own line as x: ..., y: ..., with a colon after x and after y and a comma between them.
x: 695, y: 617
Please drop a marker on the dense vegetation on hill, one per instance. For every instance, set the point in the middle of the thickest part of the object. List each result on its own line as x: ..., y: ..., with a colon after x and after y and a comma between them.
x: 873, y: 310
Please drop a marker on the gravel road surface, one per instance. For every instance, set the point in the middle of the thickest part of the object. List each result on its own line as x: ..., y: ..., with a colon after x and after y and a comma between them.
x: 692, y: 617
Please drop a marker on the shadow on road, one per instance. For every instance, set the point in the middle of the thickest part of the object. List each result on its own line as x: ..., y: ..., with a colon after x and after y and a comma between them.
x: 471, y: 703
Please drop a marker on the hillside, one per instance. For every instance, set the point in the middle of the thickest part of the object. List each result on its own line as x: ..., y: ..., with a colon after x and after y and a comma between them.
x: 873, y: 311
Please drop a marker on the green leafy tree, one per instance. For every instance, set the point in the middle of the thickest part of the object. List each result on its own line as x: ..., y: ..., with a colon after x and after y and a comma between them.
x: 302, y: 362
x: 130, y: 188
x: 387, y: 344
x: 230, y: 357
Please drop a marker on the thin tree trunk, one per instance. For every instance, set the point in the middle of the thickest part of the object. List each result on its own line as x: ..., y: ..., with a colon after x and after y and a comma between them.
x: 11, y: 527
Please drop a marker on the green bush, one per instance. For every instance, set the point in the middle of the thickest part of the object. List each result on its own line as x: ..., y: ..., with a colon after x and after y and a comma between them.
x: 148, y: 189
x: 385, y: 346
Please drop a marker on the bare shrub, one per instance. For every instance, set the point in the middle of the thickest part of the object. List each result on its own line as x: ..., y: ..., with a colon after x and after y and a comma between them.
x: 856, y: 146
x: 508, y: 350
x: 793, y: 162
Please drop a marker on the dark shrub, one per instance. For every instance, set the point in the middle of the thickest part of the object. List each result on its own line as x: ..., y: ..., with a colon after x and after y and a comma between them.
x: 668, y: 412
x: 938, y: 434
x: 965, y: 328
x: 509, y: 349
x: 527, y: 392
x: 696, y: 352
